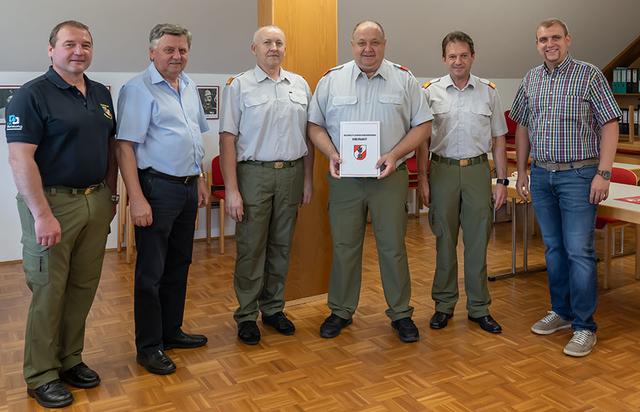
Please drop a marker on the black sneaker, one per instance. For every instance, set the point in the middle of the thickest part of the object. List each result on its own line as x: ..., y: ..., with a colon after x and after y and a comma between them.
x: 332, y: 326
x: 407, y: 330
x: 248, y: 332
x: 279, y: 322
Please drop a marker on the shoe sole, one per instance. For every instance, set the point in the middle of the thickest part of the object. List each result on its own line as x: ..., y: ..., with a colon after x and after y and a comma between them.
x: 549, y: 331
x: 580, y: 354
x: 331, y: 336
x: 157, y: 371
x: 32, y: 394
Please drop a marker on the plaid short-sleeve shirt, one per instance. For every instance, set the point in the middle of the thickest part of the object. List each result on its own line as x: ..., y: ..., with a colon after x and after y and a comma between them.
x: 564, y: 110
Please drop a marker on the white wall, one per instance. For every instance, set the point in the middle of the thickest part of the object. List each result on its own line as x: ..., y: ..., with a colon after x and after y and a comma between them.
x: 10, y: 247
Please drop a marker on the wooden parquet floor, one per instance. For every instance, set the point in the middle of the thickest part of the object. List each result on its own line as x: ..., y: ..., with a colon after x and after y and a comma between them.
x: 460, y: 368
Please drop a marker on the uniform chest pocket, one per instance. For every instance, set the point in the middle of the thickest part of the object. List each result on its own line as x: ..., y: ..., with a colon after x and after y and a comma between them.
x: 390, y: 99
x: 440, y: 107
x: 482, y: 110
x: 344, y: 100
x: 299, y: 98
x: 251, y: 101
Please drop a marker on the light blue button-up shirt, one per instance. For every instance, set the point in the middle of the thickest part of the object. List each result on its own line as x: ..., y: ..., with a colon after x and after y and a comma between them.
x: 165, y: 124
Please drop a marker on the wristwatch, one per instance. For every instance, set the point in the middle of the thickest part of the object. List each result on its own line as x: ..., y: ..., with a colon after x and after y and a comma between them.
x: 503, y: 181
x: 115, y: 198
x: 606, y: 174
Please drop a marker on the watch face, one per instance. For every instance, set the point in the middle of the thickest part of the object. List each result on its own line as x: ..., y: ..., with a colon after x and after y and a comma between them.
x: 605, y: 173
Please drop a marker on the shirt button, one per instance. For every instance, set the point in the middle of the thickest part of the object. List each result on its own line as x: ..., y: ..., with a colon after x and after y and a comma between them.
x: 549, y: 107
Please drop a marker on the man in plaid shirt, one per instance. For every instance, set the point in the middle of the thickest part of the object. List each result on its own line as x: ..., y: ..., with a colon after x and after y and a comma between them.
x: 568, y: 121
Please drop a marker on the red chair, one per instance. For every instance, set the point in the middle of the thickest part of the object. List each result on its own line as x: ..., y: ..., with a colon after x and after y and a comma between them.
x: 608, y: 226
x: 510, y: 137
x: 412, y: 169
x: 216, y: 183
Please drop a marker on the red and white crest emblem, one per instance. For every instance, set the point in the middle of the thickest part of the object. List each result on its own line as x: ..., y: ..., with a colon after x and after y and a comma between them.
x: 360, y: 151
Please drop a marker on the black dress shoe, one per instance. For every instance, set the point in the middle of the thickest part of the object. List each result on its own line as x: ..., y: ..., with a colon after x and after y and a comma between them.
x: 248, y: 332
x: 156, y: 362
x: 52, y: 395
x: 439, y: 320
x: 184, y: 341
x: 487, y: 323
x: 81, y: 376
x: 279, y: 322
x: 332, y: 326
x: 407, y: 330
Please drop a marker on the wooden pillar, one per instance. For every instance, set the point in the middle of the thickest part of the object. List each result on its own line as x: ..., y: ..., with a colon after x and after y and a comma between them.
x: 310, y: 27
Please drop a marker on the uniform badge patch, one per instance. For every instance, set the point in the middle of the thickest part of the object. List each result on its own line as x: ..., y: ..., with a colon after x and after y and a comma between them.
x: 360, y: 151
x: 107, y: 111
x: 13, y: 123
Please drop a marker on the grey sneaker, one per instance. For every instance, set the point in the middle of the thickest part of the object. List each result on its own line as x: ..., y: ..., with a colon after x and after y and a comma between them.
x: 581, y: 344
x: 549, y: 324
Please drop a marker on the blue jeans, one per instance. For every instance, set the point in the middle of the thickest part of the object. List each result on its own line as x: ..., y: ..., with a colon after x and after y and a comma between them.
x: 567, y: 222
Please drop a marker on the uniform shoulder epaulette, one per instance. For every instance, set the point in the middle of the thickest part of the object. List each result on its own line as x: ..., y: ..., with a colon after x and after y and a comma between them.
x: 429, y: 83
x: 232, y: 78
x: 333, y: 69
x: 488, y: 83
x: 401, y: 67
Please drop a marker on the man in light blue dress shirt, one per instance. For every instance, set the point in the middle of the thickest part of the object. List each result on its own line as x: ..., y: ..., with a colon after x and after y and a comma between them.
x: 160, y: 149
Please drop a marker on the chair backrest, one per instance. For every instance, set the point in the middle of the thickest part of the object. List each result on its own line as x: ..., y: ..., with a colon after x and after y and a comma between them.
x: 624, y: 176
x: 412, y: 165
x: 216, y: 172
x: 511, y: 125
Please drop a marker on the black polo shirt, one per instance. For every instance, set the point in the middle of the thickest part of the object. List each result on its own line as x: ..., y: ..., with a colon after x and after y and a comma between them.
x: 72, y: 131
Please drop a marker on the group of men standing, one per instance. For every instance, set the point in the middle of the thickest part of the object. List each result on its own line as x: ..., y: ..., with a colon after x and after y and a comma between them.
x: 61, y: 130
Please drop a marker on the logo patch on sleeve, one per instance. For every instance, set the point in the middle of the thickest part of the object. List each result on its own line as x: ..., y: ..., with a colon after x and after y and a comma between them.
x: 13, y: 122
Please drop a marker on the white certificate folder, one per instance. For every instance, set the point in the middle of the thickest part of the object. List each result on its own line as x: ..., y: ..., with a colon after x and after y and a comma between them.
x: 359, y: 149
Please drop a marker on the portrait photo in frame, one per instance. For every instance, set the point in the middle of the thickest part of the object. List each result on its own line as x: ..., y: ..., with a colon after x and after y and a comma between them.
x: 209, y: 98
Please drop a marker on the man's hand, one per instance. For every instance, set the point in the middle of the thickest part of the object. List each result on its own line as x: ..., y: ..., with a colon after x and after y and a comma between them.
x: 599, y: 189
x: 387, y: 164
x: 522, y: 186
x: 423, y: 190
x: 233, y: 205
x: 334, y: 165
x: 140, y: 211
x: 48, y: 231
x: 499, y: 195
x: 204, y: 193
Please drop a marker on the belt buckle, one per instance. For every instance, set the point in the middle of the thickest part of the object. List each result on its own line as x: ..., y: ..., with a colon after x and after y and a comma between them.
x: 187, y: 179
x: 90, y: 189
x: 465, y: 162
x: 278, y: 165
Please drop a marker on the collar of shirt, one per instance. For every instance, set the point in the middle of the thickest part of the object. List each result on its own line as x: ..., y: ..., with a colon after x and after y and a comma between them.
x: 383, y: 70
x: 559, y: 68
x: 55, y: 78
x: 156, y: 77
x: 447, y: 82
x: 261, y: 75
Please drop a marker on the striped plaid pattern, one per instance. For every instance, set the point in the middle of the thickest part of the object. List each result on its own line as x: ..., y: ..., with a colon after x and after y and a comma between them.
x: 564, y: 110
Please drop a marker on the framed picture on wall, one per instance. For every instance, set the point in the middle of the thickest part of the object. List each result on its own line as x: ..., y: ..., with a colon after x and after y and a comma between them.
x: 6, y: 94
x: 209, y: 100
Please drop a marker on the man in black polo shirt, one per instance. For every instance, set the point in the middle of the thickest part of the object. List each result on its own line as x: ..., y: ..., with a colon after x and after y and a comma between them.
x: 60, y: 128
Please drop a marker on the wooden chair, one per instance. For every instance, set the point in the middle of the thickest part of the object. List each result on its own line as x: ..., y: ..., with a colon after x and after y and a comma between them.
x: 216, y: 183
x: 609, y: 226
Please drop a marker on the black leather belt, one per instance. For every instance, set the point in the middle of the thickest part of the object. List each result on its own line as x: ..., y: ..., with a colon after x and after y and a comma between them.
x: 459, y: 162
x: 180, y: 179
x: 52, y: 190
x: 278, y: 164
